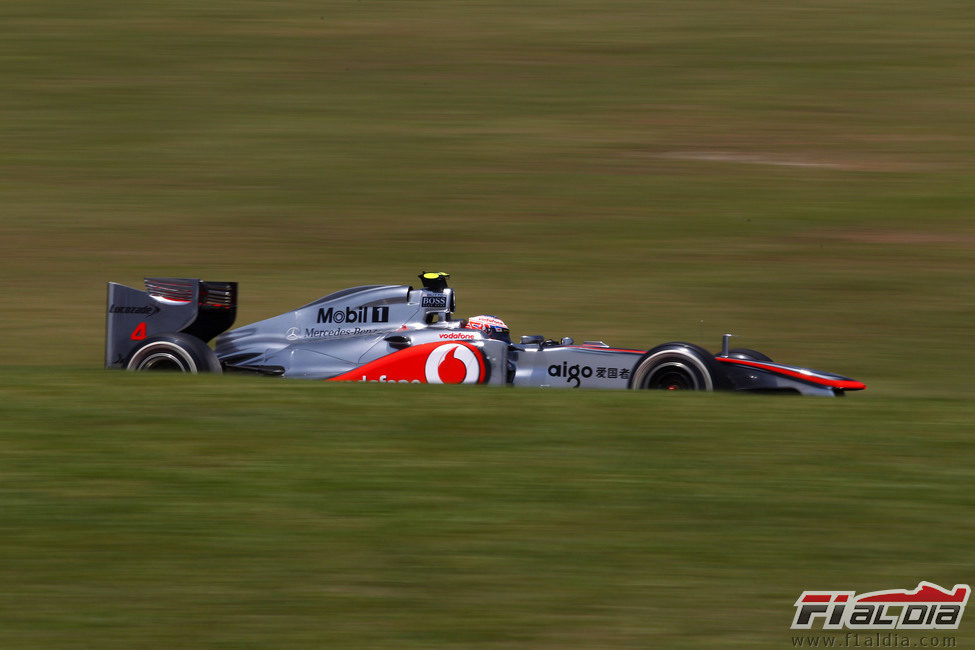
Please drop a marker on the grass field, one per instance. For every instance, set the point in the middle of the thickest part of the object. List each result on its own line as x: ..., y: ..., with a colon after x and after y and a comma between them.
x: 801, y: 176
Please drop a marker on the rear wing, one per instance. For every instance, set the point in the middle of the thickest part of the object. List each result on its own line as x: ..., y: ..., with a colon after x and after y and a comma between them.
x: 168, y: 305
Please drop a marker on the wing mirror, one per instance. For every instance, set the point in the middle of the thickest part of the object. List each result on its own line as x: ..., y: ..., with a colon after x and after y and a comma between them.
x: 399, y: 342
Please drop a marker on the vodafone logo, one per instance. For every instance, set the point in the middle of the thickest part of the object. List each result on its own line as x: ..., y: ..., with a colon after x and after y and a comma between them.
x: 432, y: 363
x: 452, y: 363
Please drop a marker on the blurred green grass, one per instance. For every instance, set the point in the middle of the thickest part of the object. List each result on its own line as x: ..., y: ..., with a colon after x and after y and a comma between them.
x: 637, y: 172
x: 240, y: 512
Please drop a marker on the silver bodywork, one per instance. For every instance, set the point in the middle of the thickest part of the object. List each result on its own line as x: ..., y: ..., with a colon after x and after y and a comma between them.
x: 396, y: 333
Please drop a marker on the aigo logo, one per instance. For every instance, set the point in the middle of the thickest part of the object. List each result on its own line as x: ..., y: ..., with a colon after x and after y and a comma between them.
x: 428, y: 363
x: 453, y: 363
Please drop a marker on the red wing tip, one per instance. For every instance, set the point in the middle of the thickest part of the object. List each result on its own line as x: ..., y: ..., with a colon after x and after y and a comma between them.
x: 798, y: 373
x: 925, y: 592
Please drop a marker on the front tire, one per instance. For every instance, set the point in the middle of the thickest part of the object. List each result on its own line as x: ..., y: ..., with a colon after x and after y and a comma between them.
x: 174, y: 353
x: 677, y: 366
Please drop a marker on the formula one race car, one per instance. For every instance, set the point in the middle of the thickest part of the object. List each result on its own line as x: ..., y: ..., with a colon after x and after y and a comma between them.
x: 395, y: 333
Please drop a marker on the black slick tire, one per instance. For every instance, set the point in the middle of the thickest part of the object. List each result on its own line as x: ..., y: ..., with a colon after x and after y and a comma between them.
x: 175, y: 352
x: 678, y: 366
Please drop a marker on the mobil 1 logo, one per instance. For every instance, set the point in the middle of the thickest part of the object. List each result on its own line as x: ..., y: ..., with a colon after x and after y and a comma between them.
x: 353, y: 315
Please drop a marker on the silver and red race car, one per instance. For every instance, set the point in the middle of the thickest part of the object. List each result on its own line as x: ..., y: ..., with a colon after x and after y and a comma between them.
x: 398, y: 333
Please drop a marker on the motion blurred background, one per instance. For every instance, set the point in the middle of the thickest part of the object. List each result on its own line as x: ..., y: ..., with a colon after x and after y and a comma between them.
x: 638, y: 172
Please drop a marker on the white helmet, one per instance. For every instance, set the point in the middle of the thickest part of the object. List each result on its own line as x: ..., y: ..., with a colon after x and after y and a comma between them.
x: 492, y: 326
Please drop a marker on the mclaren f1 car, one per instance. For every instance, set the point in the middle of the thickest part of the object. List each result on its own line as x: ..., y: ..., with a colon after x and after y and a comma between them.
x: 398, y: 333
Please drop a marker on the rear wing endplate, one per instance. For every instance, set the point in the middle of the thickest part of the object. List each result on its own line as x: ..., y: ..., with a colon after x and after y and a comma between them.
x: 196, y: 307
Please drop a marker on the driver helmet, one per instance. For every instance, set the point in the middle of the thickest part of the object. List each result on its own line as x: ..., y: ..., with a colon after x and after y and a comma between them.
x: 492, y: 326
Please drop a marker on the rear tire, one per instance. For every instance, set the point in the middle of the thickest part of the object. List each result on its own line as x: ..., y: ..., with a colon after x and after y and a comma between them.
x: 174, y: 353
x: 678, y: 366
